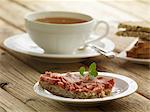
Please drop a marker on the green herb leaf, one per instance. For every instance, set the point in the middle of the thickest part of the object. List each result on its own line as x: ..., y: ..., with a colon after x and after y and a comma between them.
x: 92, y: 70
x: 92, y: 66
x: 94, y: 73
x: 82, y: 70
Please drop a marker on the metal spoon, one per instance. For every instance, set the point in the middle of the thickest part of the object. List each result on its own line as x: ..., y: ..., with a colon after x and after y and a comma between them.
x: 100, y: 50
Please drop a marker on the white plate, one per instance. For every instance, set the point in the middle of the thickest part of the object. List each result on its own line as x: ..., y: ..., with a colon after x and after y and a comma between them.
x: 123, y: 55
x: 124, y: 86
x: 23, y: 44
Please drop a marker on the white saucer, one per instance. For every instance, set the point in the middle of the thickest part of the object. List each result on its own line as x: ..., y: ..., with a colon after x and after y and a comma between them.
x: 124, y: 86
x: 23, y: 44
x: 123, y: 55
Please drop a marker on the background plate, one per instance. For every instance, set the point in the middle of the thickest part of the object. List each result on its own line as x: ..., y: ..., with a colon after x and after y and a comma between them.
x: 123, y: 55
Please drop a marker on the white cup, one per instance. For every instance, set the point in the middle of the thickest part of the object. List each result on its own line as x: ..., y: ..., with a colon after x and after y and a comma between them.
x: 62, y: 38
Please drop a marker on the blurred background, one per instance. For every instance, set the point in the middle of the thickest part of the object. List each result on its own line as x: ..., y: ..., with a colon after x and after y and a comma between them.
x: 112, y: 11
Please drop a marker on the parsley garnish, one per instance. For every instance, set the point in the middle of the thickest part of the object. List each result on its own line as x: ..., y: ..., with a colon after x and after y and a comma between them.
x: 82, y: 70
x: 92, y: 70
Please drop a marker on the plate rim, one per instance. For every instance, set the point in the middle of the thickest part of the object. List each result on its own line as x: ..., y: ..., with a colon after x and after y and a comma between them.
x: 62, y: 56
x: 128, y: 92
x: 132, y: 59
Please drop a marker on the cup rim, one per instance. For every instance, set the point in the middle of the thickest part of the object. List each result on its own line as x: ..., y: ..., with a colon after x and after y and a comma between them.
x: 26, y: 17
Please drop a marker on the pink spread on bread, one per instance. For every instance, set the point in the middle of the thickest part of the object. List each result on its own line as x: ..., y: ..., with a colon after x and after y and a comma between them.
x: 76, y: 86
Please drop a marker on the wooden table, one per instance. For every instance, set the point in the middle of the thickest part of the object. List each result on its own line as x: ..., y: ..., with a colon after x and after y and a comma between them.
x: 18, y: 72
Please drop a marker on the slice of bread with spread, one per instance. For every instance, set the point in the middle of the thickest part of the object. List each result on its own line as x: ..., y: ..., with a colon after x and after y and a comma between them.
x: 76, y: 86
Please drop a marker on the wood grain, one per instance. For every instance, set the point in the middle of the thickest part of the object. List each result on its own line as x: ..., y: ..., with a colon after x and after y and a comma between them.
x: 8, y: 103
x: 23, y: 77
x: 6, y: 31
x: 43, y: 67
x: 16, y: 13
x: 137, y: 72
x: 18, y: 72
x: 20, y: 79
x: 138, y: 8
x: 96, y: 9
x: 127, y: 103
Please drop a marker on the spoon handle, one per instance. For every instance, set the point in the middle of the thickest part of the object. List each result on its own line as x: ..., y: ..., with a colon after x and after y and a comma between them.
x: 102, y: 51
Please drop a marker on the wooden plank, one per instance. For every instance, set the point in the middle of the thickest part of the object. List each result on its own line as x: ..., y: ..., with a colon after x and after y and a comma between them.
x: 97, y: 10
x: 94, y: 9
x: 127, y: 103
x: 18, y: 76
x: 2, y: 109
x: 9, y: 103
x: 137, y: 72
x: 138, y: 9
x: 42, y: 66
x: 19, y: 80
x: 32, y: 100
x: 12, y: 75
x: 45, y: 65
x: 27, y: 97
x: 16, y: 13
x: 144, y: 1
x: 7, y: 31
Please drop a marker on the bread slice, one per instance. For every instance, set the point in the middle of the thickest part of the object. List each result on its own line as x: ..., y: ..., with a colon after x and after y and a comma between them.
x: 135, y: 26
x: 139, y: 56
x: 142, y: 35
x: 140, y: 50
x: 76, y: 86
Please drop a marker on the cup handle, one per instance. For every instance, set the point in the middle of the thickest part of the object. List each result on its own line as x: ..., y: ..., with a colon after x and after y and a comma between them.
x: 102, y: 36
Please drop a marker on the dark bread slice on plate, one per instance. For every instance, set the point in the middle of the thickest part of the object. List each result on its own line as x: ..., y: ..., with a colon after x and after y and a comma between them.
x: 140, y: 50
